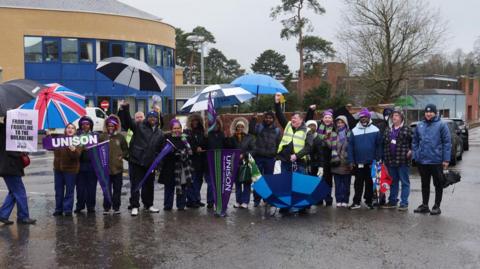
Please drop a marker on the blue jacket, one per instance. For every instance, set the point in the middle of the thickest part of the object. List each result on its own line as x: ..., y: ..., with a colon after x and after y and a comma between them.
x: 432, y: 142
x: 365, y: 144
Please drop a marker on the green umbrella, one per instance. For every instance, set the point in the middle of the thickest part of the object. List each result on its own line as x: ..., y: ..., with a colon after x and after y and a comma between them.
x: 404, y: 101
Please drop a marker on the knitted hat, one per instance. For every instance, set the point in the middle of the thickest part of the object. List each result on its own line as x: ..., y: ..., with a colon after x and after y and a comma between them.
x: 152, y: 114
x: 364, y: 113
x: 173, y: 122
x: 112, y: 120
x: 387, y: 111
x: 310, y: 122
x: 431, y: 108
x: 328, y: 112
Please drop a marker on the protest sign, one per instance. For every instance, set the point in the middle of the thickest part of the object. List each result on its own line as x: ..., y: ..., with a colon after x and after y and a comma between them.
x: 51, y: 142
x: 22, y: 130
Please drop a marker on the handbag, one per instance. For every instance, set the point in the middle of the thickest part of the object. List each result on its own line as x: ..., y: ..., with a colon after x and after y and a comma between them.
x: 245, y: 173
x: 450, y: 177
x: 25, y: 159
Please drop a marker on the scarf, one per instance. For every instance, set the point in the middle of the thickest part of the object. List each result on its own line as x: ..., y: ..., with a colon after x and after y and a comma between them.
x: 328, y: 135
x: 394, y: 132
x: 342, y: 135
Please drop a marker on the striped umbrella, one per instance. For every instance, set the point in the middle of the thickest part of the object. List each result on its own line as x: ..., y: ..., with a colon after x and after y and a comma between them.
x: 132, y: 73
x: 222, y: 95
x: 57, y: 106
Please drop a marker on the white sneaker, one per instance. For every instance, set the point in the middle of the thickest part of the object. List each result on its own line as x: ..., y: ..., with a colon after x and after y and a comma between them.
x: 236, y: 205
x: 116, y: 212
x: 106, y: 212
x: 153, y: 210
x: 244, y: 205
x: 134, y: 211
x: 339, y: 204
x: 344, y: 205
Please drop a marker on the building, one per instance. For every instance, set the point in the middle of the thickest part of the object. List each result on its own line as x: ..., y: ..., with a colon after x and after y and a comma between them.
x: 62, y: 41
x: 471, y: 87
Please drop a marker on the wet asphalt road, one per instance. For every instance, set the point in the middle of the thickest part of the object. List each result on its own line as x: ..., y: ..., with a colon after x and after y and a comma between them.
x: 325, y: 238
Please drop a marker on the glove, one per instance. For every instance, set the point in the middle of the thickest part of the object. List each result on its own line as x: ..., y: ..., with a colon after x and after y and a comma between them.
x: 320, y: 172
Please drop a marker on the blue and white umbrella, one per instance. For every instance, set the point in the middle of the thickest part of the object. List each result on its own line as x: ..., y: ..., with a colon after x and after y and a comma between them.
x: 222, y: 95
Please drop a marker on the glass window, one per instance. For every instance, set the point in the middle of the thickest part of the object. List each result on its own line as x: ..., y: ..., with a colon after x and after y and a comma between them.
x: 165, y: 57
x: 69, y: 50
x: 151, y: 54
x: 86, y: 51
x: 170, y: 57
x: 130, y: 50
x: 117, y: 50
x: 99, y: 113
x: 50, y: 49
x: 159, y: 56
x: 33, y: 49
x: 104, y: 52
x: 141, y: 54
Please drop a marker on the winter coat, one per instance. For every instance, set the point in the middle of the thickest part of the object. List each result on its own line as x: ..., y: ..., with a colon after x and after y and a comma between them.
x: 216, y: 139
x: 197, y: 138
x: 432, y: 142
x: 320, y: 153
x: 118, y: 149
x: 65, y: 160
x: 11, y: 163
x: 267, y: 139
x: 146, y: 143
x: 84, y: 157
x: 343, y: 168
x: 365, y: 144
x: 403, y: 145
x: 177, y: 162
x: 246, y: 144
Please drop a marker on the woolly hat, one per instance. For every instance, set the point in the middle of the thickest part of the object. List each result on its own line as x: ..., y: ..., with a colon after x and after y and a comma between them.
x: 328, y: 112
x: 431, y: 108
x: 152, y: 113
x: 364, y: 113
x: 310, y: 122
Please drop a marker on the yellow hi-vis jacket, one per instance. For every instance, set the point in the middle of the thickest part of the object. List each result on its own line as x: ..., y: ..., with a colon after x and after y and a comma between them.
x: 298, y: 139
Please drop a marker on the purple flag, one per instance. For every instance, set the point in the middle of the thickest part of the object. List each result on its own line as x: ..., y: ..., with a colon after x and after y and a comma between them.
x: 166, y: 149
x: 99, y: 157
x: 223, y: 165
x: 51, y: 142
x: 211, y: 114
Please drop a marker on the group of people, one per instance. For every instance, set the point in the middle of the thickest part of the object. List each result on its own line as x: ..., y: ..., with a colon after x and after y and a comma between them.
x: 329, y: 148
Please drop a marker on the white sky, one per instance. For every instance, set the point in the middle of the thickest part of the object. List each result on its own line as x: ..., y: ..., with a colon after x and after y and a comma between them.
x: 243, y: 28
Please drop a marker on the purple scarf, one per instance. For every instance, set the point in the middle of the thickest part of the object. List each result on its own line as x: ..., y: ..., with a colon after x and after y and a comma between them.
x: 393, y: 136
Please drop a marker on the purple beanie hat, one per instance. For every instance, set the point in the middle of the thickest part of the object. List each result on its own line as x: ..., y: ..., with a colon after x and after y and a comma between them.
x: 173, y: 121
x: 113, y: 120
x: 328, y: 112
x: 364, y: 113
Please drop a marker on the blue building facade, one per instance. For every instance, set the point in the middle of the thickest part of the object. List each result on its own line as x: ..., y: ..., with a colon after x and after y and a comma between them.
x: 72, y: 62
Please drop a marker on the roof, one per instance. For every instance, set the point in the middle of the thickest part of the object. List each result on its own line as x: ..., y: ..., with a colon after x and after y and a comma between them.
x: 110, y: 7
x: 435, y: 91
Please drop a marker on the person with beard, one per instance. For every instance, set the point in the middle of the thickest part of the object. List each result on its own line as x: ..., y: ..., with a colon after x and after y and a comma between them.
x: 198, y: 142
x: 364, y: 147
x: 267, y: 138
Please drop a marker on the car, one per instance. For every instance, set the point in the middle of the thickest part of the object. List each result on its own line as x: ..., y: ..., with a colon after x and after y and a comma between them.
x: 457, y: 141
x: 464, y: 131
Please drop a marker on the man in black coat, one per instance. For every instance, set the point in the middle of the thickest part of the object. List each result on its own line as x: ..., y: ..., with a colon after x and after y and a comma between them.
x: 147, y: 142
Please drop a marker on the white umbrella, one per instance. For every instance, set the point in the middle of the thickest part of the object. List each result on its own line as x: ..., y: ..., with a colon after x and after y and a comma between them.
x: 222, y: 95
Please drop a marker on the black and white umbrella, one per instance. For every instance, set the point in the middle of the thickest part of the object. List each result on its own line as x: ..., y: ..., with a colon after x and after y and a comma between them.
x: 222, y: 95
x: 17, y: 92
x: 132, y: 73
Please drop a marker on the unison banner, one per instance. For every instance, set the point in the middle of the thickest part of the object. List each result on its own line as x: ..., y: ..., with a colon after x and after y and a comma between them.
x: 22, y: 130
x: 99, y: 157
x: 223, y: 168
x: 166, y: 149
x: 56, y: 142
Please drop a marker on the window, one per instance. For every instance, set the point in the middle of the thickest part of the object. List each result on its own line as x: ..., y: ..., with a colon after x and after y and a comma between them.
x: 117, y: 50
x: 170, y: 58
x: 130, y: 50
x: 69, y: 50
x: 103, y: 49
x: 141, y: 54
x: 159, y: 56
x: 165, y: 57
x: 151, y: 54
x: 99, y: 113
x: 86, y: 51
x: 33, y: 49
x: 50, y: 50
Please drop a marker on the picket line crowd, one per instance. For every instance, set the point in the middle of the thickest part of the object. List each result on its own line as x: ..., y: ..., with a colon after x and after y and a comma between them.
x: 329, y: 148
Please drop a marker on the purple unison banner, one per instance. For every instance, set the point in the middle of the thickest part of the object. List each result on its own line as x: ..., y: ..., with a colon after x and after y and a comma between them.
x: 56, y: 142
x: 223, y: 166
x: 166, y: 149
x: 99, y: 157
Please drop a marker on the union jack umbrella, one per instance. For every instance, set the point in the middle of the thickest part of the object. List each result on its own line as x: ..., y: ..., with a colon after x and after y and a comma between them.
x: 57, y: 106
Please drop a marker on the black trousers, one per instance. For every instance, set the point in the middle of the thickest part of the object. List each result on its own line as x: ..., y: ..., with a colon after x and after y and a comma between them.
x: 363, y: 177
x: 115, y: 186
x: 428, y: 171
x: 138, y: 172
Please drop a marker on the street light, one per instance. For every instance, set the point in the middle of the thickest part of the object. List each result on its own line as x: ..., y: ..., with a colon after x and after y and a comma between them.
x: 200, y: 40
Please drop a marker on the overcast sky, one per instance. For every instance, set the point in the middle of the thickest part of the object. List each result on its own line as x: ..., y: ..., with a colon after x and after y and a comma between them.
x: 243, y: 28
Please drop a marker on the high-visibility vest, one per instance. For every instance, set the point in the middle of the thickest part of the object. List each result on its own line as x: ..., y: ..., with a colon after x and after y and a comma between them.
x: 298, y: 138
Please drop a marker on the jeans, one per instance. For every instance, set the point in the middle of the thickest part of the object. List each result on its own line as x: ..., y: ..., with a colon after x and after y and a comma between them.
x: 193, y: 191
x: 399, y: 174
x: 16, y: 194
x: 86, y: 187
x: 169, y: 195
x: 434, y: 171
x: 64, y: 191
x: 363, y: 177
x: 266, y: 166
x: 342, y: 188
x: 242, y: 192
x: 115, y: 187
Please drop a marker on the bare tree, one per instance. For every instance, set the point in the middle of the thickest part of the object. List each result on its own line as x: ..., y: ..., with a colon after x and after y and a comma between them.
x: 388, y: 38
x: 476, y: 50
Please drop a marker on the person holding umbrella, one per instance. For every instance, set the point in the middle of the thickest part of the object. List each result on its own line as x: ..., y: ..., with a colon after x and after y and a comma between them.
x: 147, y: 142
x: 11, y: 169
x: 296, y: 142
x: 364, y: 147
x: 87, y: 179
x: 66, y: 165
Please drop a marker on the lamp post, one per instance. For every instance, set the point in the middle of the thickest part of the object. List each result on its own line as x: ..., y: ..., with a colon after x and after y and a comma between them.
x: 199, y: 40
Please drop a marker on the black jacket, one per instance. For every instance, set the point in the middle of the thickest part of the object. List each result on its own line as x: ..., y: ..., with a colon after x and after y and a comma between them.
x: 167, y: 171
x: 197, y: 139
x: 11, y: 163
x: 146, y: 143
x: 246, y: 145
x: 320, y: 153
x: 267, y: 139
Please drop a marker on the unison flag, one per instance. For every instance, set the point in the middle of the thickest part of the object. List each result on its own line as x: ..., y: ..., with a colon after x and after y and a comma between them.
x: 166, y: 149
x: 99, y: 157
x: 223, y: 168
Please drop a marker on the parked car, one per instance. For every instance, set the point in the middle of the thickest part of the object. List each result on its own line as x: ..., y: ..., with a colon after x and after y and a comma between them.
x: 463, y: 126
x: 457, y: 141
x: 97, y: 115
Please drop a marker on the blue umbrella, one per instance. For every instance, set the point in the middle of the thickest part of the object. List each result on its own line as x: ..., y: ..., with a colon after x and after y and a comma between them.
x: 259, y: 84
x: 291, y: 190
